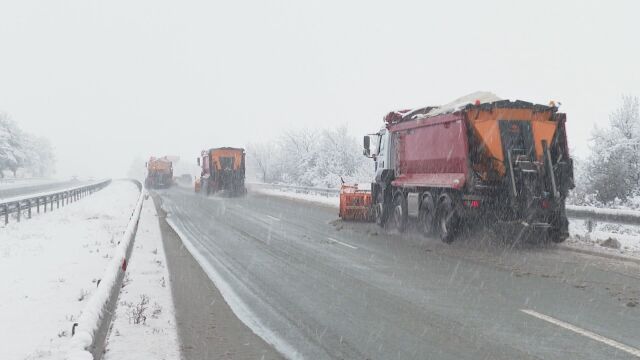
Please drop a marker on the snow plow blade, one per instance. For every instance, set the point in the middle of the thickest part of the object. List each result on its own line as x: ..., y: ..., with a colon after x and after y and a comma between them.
x: 355, y: 204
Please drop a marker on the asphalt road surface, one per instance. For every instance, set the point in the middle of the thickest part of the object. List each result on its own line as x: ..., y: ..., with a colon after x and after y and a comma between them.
x: 317, y: 288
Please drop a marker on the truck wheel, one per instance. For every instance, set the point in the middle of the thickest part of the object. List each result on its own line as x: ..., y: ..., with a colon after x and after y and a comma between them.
x: 556, y: 235
x: 380, y: 210
x: 204, y: 188
x: 426, y: 215
x: 400, y: 211
x: 447, y: 219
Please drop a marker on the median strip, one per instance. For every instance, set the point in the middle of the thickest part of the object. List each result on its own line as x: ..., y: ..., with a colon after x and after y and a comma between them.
x: 591, y: 335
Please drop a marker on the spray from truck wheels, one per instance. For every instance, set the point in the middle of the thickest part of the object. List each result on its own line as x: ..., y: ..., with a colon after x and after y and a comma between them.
x: 479, y: 159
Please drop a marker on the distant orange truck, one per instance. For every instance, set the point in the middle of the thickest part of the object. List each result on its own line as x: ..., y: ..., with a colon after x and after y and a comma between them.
x: 222, y: 170
x: 159, y: 173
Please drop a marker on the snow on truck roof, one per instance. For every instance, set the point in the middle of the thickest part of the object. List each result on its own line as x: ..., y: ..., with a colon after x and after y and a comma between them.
x: 226, y: 148
x: 478, y: 98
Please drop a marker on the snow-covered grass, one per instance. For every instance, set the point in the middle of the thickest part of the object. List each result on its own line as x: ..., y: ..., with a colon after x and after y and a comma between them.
x: 49, y: 267
x: 144, y: 325
x: 321, y: 199
x: 627, y: 235
x: 18, y: 183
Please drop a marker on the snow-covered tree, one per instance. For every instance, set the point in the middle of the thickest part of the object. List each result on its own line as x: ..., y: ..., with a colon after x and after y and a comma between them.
x: 310, y: 158
x: 20, y: 150
x: 260, y: 157
x: 613, y: 167
x: 11, y: 154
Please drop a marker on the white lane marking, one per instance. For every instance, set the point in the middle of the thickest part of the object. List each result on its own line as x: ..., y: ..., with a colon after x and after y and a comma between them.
x: 273, y: 218
x: 583, y: 332
x: 341, y: 243
x: 223, y: 278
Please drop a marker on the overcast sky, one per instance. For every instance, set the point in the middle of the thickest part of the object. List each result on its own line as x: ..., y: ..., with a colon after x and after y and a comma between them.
x: 107, y: 81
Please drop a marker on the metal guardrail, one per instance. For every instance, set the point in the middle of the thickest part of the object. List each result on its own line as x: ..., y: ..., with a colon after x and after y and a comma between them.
x: 305, y: 189
x: 18, y: 205
x: 590, y: 214
x: 90, y: 332
x: 629, y: 217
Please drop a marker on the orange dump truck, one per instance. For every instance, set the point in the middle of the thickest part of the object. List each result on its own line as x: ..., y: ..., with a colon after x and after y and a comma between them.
x: 159, y: 173
x: 222, y: 169
x: 479, y: 159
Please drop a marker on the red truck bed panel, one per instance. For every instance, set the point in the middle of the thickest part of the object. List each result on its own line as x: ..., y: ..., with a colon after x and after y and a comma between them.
x: 432, y: 152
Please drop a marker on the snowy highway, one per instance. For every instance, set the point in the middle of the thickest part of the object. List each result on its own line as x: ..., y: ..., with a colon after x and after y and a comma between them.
x: 317, y: 288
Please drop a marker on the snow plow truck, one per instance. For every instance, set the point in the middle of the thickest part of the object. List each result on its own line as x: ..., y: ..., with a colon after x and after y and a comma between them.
x: 159, y: 173
x: 479, y: 159
x: 222, y: 170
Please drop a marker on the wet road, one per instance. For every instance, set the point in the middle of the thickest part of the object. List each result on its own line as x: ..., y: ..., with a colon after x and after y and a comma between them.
x: 318, y: 288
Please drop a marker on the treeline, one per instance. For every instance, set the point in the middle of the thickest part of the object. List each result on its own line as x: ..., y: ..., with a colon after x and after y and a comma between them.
x: 610, y: 175
x: 24, y: 152
x: 310, y: 158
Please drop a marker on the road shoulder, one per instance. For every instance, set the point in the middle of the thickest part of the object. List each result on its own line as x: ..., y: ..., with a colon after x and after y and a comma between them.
x: 207, y: 327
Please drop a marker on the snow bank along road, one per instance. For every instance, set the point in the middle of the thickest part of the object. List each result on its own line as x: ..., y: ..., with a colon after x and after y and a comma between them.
x: 49, y: 267
x: 316, y: 288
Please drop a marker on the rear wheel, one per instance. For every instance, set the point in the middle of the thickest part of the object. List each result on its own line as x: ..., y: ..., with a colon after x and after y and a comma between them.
x: 447, y: 219
x: 204, y: 187
x: 426, y: 215
x: 559, y: 230
x: 400, y: 211
x: 557, y: 235
x: 381, y: 212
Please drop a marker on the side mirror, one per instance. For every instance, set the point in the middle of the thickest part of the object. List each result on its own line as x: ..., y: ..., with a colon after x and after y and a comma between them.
x: 198, y: 160
x: 367, y: 143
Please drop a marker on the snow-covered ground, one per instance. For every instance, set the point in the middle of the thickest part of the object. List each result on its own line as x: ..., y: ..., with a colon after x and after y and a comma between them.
x: 144, y: 324
x: 627, y: 235
x: 49, y: 267
x: 321, y: 199
x: 17, y: 183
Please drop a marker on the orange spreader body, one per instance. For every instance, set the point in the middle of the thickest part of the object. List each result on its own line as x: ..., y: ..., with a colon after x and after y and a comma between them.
x: 355, y: 204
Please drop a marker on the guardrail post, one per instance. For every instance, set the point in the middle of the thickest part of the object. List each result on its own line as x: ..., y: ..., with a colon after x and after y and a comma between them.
x: 29, y: 205
x: 590, y: 224
x: 51, y: 202
x: 38, y: 205
x: 57, y: 201
x: 6, y: 214
x: 19, y: 210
